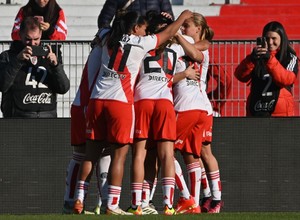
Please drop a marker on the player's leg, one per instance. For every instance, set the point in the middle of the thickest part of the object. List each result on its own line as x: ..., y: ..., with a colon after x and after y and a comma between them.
x: 95, y: 135
x: 185, y: 201
x: 190, y: 127
x: 102, y: 168
x: 212, y: 167
x: 78, y: 141
x: 93, y: 152
x: 183, y: 129
x: 143, y: 114
x: 119, y: 131
x: 206, y: 200
x: 164, y: 133
x: 115, y: 177
x: 71, y: 178
x: 150, y: 180
x: 165, y: 150
x: 193, y: 145
x: 214, y: 177
x: 137, y: 176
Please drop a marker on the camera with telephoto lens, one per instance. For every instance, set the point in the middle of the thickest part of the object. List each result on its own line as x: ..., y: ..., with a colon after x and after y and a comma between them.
x: 40, y: 51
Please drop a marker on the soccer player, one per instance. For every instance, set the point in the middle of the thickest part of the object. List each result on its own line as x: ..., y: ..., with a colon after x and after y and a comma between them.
x: 155, y: 116
x: 198, y: 29
x: 78, y: 129
x: 125, y: 47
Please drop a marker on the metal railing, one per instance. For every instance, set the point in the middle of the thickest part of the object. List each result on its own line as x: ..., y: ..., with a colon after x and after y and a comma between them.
x: 225, y: 55
x: 229, y: 54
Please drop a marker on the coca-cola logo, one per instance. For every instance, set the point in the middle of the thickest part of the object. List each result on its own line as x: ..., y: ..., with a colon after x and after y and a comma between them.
x: 43, y: 98
x: 264, y: 106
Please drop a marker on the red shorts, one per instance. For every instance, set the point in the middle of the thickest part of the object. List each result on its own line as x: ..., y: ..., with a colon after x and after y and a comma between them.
x: 110, y: 121
x: 155, y: 119
x: 207, y: 134
x: 190, y: 127
x: 77, y: 125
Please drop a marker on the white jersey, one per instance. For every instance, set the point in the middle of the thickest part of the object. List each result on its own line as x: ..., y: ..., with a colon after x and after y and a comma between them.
x: 155, y: 78
x: 89, y: 74
x: 203, y: 82
x: 188, y: 94
x: 120, y: 68
x: 88, y: 77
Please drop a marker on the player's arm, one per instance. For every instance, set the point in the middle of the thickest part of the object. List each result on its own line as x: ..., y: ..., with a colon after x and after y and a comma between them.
x: 202, y: 45
x: 171, y: 29
x: 189, y: 73
x: 189, y: 48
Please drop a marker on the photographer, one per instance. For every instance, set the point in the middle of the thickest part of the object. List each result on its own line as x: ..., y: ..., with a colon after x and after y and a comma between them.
x: 271, y: 70
x: 29, y: 82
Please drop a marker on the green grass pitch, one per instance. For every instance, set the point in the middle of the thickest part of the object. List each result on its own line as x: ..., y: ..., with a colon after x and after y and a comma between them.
x: 220, y: 216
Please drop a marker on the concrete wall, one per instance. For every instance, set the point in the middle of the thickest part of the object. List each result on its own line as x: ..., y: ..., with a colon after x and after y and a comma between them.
x: 258, y: 159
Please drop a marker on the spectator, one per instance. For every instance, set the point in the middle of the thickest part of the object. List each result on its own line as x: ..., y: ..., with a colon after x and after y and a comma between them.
x: 111, y: 7
x: 271, y: 70
x: 30, y: 83
x: 50, y: 15
x: 218, y: 87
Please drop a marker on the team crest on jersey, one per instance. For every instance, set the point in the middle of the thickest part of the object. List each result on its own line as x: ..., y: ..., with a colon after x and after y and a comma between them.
x: 34, y: 60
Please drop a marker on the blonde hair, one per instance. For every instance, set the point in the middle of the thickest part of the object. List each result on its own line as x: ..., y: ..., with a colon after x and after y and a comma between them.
x: 199, y: 20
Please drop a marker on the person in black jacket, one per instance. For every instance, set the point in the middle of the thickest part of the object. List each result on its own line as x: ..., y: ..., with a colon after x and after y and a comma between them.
x: 29, y: 81
x: 111, y: 7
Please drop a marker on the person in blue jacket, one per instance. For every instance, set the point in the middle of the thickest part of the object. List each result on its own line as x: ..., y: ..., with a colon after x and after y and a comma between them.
x: 111, y: 7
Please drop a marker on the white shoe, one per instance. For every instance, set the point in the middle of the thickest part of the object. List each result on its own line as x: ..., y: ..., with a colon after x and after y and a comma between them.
x: 88, y: 212
x: 97, y: 210
x: 117, y: 211
x: 149, y: 211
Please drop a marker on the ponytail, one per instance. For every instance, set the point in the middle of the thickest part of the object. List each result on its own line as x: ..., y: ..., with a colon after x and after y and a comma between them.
x: 124, y: 24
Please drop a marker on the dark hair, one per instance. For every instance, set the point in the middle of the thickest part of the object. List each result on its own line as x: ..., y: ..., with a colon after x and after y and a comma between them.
x: 124, y: 24
x: 283, y: 55
x: 50, y: 12
x: 29, y: 23
x: 154, y: 20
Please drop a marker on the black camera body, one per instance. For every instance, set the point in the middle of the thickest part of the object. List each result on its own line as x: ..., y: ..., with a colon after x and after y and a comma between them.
x: 39, y: 51
x: 261, y: 41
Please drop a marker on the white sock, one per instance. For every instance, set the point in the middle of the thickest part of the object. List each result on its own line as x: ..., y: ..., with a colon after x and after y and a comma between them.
x: 136, y: 194
x: 146, y: 193
x: 168, y: 185
x: 72, y: 176
x: 82, y: 190
x: 204, y: 184
x: 194, y: 177
x: 216, y: 188
x: 101, y: 173
x: 113, y: 198
x: 180, y: 181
